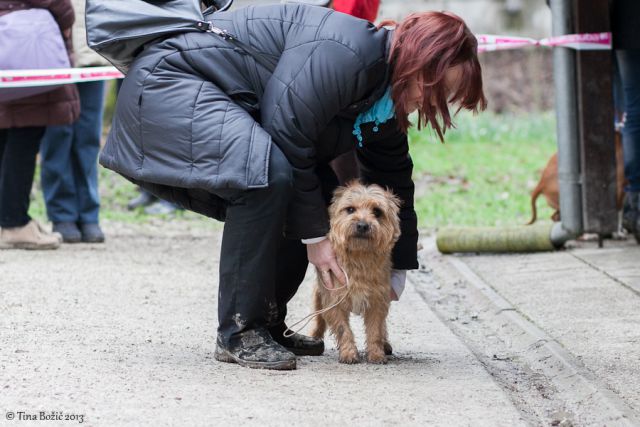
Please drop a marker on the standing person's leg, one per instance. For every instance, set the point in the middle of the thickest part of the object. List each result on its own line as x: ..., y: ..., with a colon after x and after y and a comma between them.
x: 246, y: 299
x: 4, y: 134
x: 84, y: 159
x: 629, y: 65
x: 19, y: 149
x: 58, y: 184
x: 16, y: 175
x: 291, y: 267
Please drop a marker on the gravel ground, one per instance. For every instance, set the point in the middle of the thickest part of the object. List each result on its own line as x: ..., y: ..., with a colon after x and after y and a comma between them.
x: 123, y: 334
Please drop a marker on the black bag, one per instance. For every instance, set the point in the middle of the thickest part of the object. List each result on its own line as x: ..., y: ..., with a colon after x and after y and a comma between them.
x: 119, y: 29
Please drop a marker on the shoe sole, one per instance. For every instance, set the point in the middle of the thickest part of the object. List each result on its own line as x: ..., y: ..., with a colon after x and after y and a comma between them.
x: 29, y: 246
x: 100, y: 240
x: 71, y: 240
x: 305, y: 352
x: 224, y: 356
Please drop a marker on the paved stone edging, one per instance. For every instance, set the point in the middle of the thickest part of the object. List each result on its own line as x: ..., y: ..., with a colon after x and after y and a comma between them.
x: 572, y: 381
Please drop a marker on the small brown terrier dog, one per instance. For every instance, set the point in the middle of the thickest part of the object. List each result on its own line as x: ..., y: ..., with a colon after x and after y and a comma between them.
x: 364, y: 229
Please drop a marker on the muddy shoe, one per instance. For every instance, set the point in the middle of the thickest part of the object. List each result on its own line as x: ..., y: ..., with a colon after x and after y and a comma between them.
x: 298, y: 344
x: 255, y: 349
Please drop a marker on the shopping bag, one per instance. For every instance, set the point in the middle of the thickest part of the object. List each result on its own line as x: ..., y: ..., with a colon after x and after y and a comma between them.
x: 30, y: 40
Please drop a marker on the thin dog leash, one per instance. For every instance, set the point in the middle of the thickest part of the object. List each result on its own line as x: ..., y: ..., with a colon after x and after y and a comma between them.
x: 290, y: 332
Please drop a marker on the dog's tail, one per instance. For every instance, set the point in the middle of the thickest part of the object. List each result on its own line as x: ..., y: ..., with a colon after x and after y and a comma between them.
x: 534, y: 196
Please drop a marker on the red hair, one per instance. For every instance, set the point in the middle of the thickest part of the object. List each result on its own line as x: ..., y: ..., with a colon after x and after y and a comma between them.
x: 425, y: 45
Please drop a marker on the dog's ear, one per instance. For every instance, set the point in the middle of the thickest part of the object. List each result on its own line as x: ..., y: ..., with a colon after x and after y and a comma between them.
x: 394, y: 205
x: 337, y: 194
x: 393, y: 199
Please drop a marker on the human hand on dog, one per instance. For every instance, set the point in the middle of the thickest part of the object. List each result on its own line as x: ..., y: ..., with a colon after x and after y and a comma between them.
x: 322, y: 256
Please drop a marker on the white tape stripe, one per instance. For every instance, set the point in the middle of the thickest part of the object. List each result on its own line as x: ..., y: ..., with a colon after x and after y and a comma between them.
x: 56, y: 76
x: 486, y: 43
x: 587, y: 41
x: 502, y: 40
x: 602, y: 39
x: 493, y: 47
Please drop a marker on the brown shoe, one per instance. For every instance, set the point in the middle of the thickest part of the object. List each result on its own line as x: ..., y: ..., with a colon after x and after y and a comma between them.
x: 30, y: 236
x: 53, y: 233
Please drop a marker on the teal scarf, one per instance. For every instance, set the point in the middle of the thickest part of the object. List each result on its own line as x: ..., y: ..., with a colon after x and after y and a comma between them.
x: 379, y: 113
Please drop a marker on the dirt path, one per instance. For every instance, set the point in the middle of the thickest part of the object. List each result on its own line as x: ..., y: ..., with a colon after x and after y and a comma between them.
x: 123, y: 334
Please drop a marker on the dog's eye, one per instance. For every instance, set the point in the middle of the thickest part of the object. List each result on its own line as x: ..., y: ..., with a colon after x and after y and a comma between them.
x: 377, y: 212
x: 350, y: 209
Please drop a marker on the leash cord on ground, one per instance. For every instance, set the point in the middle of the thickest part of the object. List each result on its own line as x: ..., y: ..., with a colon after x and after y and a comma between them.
x: 290, y: 332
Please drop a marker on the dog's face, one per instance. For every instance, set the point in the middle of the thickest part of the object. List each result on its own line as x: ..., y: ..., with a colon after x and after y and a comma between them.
x: 364, y: 218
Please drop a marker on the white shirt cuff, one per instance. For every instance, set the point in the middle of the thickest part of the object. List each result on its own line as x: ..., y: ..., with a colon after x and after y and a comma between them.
x: 398, y: 280
x: 313, y: 240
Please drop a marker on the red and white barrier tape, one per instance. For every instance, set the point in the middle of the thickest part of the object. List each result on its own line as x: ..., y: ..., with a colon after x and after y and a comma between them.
x: 486, y: 42
x: 56, y: 76
x: 590, y: 41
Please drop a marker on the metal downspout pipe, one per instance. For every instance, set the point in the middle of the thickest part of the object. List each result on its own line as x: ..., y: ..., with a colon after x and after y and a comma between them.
x: 564, y: 75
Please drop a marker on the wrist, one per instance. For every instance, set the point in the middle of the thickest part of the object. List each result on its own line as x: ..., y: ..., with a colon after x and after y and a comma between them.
x: 313, y: 240
x: 398, y: 280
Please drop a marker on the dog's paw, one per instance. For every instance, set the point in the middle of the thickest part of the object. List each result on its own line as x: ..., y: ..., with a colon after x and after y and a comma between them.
x: 350, y: 357
x: 377, y: 358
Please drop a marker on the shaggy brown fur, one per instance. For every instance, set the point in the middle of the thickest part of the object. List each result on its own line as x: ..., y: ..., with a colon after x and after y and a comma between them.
x: 548, y: 185
x: 364, y: 229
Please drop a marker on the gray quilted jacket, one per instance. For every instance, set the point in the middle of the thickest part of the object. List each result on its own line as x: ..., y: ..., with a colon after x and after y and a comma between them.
x: 196, y: 115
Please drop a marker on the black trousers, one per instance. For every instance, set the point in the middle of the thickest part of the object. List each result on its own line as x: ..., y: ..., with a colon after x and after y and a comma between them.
x: 18, y: 150
x: 260, y: 270
x: 248, y: 296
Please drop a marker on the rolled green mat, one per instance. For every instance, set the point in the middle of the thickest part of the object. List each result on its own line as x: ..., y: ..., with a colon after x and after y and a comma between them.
x: 526, y: 238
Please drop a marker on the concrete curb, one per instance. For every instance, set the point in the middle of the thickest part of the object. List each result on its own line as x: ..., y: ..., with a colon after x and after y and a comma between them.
x: 574, y: 383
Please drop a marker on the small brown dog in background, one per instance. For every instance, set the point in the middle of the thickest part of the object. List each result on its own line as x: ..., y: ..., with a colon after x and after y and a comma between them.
x: 364, y: 229
x: 548, y: 185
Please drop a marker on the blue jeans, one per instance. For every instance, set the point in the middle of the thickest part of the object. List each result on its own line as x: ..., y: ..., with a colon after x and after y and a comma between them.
x: 629, y: 67
x: 69, y: 161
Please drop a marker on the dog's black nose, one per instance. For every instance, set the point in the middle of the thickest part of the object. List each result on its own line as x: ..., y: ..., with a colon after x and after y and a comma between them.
x: 362, y: 227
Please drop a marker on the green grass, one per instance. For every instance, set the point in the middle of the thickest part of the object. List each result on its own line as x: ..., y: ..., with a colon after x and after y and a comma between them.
x: 484, y: 173
x: 481, y: 176
x: 115, y: 193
